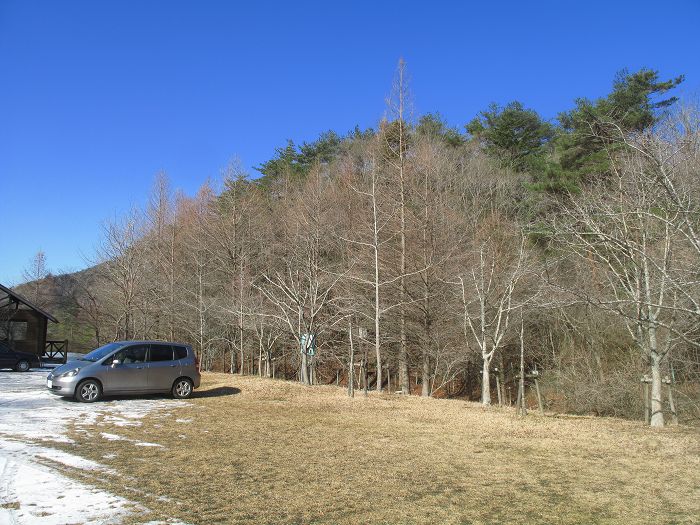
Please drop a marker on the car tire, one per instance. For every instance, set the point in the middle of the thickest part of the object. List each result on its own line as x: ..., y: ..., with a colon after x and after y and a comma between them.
x: 88, y: 391
x: 182, y: 388
x: 23, y: 366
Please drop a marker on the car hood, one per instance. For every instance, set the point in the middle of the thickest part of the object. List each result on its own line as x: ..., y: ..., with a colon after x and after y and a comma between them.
x: 70, y: 365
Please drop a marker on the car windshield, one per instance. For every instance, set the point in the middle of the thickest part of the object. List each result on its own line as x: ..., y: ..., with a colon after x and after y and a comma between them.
x: 101, y: 352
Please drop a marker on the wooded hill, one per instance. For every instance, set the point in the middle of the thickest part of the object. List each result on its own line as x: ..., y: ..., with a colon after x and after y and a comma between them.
x: 425, y: 260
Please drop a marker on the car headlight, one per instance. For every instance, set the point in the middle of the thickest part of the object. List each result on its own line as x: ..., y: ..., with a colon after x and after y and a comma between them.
x: 70, y: 373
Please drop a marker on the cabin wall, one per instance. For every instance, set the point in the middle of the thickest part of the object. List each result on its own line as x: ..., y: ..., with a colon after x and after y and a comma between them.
x: 34, y: 339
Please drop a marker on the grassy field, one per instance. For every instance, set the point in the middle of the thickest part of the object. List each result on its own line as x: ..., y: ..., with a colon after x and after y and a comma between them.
x: 256, y: 451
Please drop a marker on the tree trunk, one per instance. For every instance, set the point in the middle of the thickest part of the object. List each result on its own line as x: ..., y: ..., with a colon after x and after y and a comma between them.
x: 403, y: 351
x: 425, y: 390
x: 521, y: 385
x: 304, y: 368
x: 657, y: 415
x: 351, y: 363
x: 377, y: 315
x: 486, y: 383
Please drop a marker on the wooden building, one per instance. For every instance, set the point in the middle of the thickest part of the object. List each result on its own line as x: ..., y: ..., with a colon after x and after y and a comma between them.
x: 23, y: 325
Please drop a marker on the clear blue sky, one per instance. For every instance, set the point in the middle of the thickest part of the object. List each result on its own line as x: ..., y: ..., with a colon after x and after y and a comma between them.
x: 97, y: 97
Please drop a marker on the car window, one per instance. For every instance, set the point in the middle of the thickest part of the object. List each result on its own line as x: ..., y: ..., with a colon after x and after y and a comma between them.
x: 161, y: 353
x: 180, y: 352
x: 4, y: 348
x: 101, y: 352
x: 131, y: 354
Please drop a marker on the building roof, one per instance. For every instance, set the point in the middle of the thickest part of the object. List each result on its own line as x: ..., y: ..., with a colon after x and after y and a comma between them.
x: 15, y: 297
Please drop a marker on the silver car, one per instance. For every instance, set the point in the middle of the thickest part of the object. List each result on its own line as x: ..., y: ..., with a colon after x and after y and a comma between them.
x: 128, y: 367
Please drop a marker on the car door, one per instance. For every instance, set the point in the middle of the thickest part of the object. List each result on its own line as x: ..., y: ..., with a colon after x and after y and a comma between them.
x: 163, y: 368
x: 130, y: 374
x: 7, y: 356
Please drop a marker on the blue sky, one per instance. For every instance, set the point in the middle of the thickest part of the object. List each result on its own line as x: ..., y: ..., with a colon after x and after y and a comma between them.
x: 97, y: 97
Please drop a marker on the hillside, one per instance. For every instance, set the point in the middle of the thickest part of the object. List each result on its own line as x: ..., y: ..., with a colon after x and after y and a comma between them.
x: 251, y: 451
x: 415, y: 257
x: 64, y: 297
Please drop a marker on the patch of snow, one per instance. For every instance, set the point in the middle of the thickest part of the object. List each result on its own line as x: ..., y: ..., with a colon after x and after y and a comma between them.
x: 145, y: 444
x: 31, y: 419
x: 169, y: 522
x: 42, y: 496
x: 112, y: 437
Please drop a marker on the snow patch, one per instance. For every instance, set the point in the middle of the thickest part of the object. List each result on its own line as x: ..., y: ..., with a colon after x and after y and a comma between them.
x: 112, y: 437
x: 42, y: 496
x: 31, y: 419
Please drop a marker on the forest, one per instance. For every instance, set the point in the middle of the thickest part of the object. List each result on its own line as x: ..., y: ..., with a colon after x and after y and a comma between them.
x: 429, y: 260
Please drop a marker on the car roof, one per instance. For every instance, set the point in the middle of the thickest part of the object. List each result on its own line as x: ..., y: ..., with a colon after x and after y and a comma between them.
x: 146, y: 342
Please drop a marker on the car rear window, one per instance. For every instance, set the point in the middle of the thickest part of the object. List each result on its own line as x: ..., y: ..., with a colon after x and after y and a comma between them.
x: 161, y: 353
x: 180, y: 352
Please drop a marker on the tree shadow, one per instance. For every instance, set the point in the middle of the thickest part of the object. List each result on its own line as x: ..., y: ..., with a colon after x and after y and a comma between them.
x: 216, y: 392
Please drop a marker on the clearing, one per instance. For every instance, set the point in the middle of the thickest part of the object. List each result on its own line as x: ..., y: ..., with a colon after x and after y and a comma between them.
x: 250, y: 450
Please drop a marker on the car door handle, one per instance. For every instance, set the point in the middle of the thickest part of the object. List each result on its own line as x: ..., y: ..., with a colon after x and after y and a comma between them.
x: 173, y: 366
x: 139, y: 368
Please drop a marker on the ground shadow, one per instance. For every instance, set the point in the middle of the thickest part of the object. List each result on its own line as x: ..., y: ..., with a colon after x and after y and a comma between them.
x: 212, y: 392
x: 216, y: 392
x: 120, y: 397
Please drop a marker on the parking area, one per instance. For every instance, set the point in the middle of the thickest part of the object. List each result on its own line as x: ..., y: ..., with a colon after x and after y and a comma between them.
x: 33, y: 486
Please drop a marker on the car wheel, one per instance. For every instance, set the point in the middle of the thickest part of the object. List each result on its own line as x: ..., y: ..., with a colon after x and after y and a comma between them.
x: 22, y: 366
x: 88, y: 391
x: 182, y: 388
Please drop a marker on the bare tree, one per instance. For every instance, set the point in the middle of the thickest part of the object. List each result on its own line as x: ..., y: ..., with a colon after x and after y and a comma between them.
x: 396, y: 140
x: 36, y: 272
x: 121, y: 259
x: 629, y: 230
x: 488, y: 291
x: 301, y: 288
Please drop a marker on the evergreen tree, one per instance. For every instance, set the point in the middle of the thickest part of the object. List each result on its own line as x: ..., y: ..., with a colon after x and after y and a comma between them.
x: 635, y: 104
x: 516, y: 136
x: 432, y: 125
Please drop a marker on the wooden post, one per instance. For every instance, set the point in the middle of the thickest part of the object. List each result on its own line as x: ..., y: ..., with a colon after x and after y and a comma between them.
x: 671, y: 403
x: 351, y: 362
x: 365, y: 376
x: 337, y: 377
x: 366, y: 371
x: 645, y: 381
x: 520, y: 401
x: 539, y: 397
x: 535, y: 374
x: 498, y: 387
x: 521, y: 389
x: 674, y: 418
x: 502, y: 378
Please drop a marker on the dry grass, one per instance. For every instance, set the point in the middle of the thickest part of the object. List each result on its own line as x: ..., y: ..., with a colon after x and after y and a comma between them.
x: 278, y: 452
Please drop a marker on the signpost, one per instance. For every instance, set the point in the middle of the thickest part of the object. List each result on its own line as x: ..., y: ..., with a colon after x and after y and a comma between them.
x: 307, y: 348
x: 498, y: 386
x: 308, y: 344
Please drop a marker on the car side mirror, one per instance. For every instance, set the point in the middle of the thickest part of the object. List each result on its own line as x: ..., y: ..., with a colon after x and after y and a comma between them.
x: 116, y: 362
